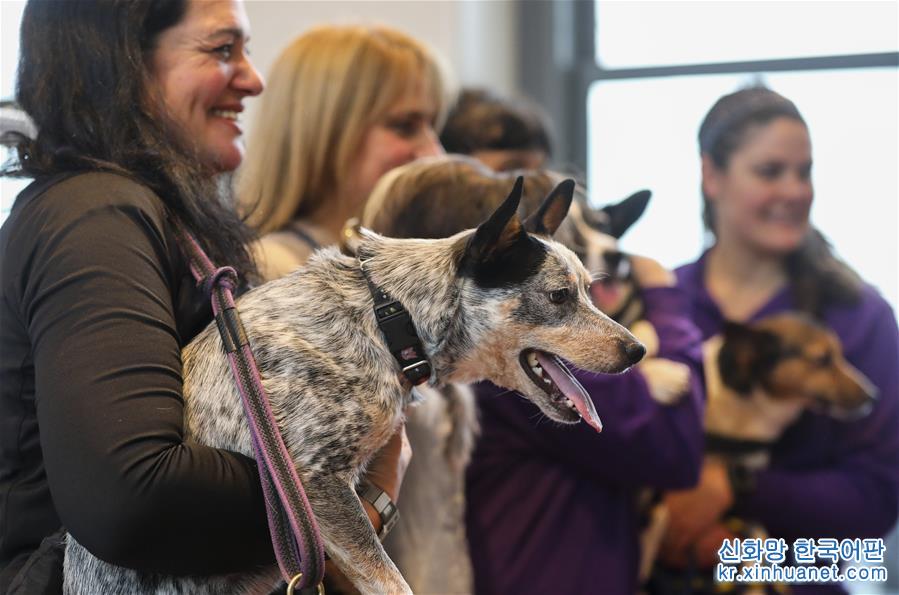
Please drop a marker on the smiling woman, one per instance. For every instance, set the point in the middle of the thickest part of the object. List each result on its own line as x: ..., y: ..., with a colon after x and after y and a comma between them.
x: 828, y: 476
x: 201, y: 67
x: 769, y: 185
x: 134, y: 102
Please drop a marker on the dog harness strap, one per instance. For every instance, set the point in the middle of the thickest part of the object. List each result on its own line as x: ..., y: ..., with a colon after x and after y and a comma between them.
x: 295, y: 535
x: 305, y: 237
x: 399, y: 333
x: 734, y: 446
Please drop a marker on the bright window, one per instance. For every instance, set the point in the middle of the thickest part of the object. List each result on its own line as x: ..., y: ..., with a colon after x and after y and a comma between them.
x: 643, y: 135
x: 10, y: 16
x: 637, y: 34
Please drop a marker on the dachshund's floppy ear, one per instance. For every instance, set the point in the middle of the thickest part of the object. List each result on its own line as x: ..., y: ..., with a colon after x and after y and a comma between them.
x: 546, y: 220
x: 746, y: 356
x: 501, y: 230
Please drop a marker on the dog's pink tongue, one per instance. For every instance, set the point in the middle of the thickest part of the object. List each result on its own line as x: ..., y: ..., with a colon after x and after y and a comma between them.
x: 570, y: 387
x: 605, y: 295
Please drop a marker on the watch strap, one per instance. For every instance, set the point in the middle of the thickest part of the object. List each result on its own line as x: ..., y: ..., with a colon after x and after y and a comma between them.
x: 382, y: 504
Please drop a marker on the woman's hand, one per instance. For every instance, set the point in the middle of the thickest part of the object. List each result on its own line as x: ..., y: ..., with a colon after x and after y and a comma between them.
x: 388, y: 467
x: 693, y: 513
x: 703, y: 553
x: 707, y: 545
x: 649, y: 273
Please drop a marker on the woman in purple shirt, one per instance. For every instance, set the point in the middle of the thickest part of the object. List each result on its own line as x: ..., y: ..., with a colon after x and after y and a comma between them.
x: 827, y: 478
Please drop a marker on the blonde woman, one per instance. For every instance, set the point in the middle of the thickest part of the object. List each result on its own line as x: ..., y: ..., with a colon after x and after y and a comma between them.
x: 345, y: 104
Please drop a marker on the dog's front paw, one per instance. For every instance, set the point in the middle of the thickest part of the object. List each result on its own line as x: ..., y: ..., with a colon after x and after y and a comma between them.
x: 391, y: 587
x: 667, y: 380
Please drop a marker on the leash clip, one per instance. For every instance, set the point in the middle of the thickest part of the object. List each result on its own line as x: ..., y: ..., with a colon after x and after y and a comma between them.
x: 292, y: 586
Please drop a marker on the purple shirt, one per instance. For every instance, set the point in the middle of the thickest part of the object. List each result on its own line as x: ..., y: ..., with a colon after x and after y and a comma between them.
x: 552, y: 508
x: 828, y: 478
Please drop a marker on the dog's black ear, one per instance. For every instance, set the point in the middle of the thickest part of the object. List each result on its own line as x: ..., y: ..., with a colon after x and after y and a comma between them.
x: 546, y: 220
x: 746, y: 356
x: 502, y: 229
x: 625, y: 213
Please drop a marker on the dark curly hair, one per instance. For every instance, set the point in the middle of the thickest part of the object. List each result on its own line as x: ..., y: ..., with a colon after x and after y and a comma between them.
x: 84, y: 80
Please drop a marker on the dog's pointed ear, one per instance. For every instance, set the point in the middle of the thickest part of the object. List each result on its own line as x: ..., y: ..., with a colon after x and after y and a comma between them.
x: 747, y: 355
x: 625, y: 213
x: 502, y: 229
x: 546, y: 220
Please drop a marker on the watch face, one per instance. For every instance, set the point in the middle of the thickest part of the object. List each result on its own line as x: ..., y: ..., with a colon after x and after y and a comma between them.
x: 389, y: 518
x: 382, y: 504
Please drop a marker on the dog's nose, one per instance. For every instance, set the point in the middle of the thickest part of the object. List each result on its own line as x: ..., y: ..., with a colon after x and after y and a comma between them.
x: 633, y: 351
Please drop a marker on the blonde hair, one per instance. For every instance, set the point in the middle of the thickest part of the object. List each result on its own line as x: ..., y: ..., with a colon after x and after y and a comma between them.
x: 325, y: 91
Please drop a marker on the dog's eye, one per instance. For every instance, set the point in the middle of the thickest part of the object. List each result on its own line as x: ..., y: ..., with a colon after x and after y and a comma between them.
x: 825, y: 360
x: 558, y: 296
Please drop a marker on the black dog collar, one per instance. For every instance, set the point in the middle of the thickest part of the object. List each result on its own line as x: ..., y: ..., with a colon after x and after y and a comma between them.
x: 399, y: 333
x: 718, y: 444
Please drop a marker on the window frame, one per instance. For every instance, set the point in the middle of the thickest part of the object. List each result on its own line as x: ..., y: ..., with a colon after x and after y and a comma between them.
x: 557, y: 69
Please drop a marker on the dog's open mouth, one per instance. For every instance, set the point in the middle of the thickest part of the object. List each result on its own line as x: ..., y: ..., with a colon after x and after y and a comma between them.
x: 840, y: 412
x: 549, y: 373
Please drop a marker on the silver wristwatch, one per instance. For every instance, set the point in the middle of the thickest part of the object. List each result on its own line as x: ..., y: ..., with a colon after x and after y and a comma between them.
x: 382, y: 503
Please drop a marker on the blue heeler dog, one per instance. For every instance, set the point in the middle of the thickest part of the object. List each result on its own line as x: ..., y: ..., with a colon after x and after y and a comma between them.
x: 503, y: 302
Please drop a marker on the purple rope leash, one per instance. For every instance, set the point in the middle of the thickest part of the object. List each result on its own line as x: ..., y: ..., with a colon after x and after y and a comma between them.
x: 295, y: 534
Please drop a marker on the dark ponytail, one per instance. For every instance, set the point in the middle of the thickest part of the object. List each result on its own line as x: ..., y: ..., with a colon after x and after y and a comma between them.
x: 818, y: 278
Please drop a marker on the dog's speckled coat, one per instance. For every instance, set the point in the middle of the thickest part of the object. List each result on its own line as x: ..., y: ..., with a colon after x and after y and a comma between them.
x: 335, y: 388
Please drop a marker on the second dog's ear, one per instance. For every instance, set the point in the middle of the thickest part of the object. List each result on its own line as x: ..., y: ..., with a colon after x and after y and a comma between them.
x: 546, y: 220
x: 501, y: 230
x: 625, y: 213
x: 746, y: 356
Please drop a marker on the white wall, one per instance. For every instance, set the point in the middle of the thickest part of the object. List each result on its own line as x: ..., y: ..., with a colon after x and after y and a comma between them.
x: 475, y: 39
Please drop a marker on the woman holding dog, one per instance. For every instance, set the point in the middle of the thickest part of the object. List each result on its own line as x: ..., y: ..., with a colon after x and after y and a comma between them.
x: 827, y: 478
x: 137, y: 106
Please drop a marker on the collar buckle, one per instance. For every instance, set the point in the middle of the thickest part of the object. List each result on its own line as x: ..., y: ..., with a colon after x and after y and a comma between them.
x: 418, y: 372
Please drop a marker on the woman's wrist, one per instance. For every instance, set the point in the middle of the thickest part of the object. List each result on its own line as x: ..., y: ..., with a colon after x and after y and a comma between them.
x: 382, y: 505
x: 716, y: 476
x: 742, y: 481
